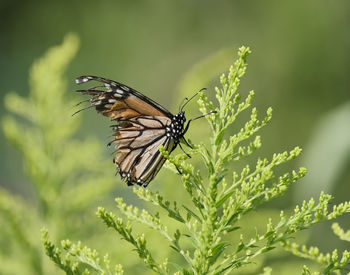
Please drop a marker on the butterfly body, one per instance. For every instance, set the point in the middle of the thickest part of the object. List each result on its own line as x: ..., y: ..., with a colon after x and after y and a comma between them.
x: 142, y: 125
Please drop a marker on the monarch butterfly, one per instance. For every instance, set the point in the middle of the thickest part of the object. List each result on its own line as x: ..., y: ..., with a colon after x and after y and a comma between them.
x: 142, y: 125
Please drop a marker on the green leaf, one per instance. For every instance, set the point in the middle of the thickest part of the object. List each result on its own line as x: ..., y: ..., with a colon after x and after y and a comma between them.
x: 232, y: 228
x: 176, y: 216
x: 175, y: 248
x: 189, y: 211
x: 234, y: 264
x: 220, y: 136
x: 223, y: 199
x: 187, y: 272
x: 217, y: 251
x: 267, y: 249
x: 219, y: 179
x: 240, y: 247
x: 268, y: 234
x: 282, y: 222
x: 193, y: 240
x: 235, y: 215
x: 181, y: 269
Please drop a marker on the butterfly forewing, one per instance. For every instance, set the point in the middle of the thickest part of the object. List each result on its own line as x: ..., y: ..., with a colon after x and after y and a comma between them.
x: 117, y: 96
x: 142, y: 126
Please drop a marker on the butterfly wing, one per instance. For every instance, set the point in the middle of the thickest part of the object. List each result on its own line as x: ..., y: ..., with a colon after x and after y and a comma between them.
x: 113, y: 98
x: 137, y: 143
x: 140, y: 129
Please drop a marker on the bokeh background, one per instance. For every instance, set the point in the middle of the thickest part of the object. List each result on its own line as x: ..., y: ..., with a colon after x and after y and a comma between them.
x: 300, y: 66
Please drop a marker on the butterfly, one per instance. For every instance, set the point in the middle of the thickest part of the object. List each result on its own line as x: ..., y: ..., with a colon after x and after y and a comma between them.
x: 142, y: 125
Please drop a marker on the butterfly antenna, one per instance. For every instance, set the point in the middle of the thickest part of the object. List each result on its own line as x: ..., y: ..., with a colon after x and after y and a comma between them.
x: 182, y: 102
x: 192, y: 119
x: 188, y: 100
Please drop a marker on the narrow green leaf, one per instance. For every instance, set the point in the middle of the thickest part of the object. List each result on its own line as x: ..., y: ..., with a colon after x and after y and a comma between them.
x: 198, y: 203
x: 219, y: 179
x: 217, y: 251
x: 187, y: 272
x: 233, y: 217
x: 236, y: 263
x: 178, y: 267
x: 268, y: 234
x: 220, y: 136
x: 240, y: 247
x: 175, y: 216
x: 232, y: 228
x: 193, y: 241
x: 282, y: 222
x: 222, y: 200
x: 266, y: 249
x: 189, y: 211
x: 175, y: 248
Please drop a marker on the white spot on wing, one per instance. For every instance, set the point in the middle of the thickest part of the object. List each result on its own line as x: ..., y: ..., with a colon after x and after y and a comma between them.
x: 125, y: 88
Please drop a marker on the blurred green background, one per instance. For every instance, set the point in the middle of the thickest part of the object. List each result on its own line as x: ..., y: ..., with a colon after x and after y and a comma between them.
x: 300, y: 66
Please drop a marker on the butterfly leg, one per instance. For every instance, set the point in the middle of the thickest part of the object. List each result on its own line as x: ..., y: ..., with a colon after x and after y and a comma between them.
x: 177, y: 168
x: 189, y: 145
x: 184, y: 151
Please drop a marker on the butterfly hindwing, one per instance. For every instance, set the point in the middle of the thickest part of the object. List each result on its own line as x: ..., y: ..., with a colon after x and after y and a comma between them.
x: 137, y: 143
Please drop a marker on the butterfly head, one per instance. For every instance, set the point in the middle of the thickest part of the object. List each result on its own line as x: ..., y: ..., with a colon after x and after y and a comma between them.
x: 180, y: 117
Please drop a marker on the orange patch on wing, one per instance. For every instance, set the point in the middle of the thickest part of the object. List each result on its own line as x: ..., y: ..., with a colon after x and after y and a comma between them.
x: 119, y: 104
x: 123, y: 113
x: 142, y: 107
x: 129, y: 107
x: 120, y: 110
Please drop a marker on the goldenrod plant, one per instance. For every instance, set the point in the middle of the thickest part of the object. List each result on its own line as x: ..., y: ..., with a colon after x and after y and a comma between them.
x: 58, y: 165
x: 202, y: 231
x: 331, y: 263
x: 202, y: 228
